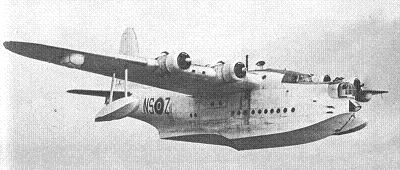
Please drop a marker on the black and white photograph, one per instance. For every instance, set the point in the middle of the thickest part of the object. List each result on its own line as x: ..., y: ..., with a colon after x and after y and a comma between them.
x: 200, y: 84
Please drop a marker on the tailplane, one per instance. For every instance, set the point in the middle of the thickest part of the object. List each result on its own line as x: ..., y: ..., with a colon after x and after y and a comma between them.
x: 129, y: 45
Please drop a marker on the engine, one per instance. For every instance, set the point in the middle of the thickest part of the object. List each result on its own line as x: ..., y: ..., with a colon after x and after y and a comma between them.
x: 226, y: 72
x: 74, y: 60
x: 361, y: 95
x: 169, y: 63
x: 231, y: 71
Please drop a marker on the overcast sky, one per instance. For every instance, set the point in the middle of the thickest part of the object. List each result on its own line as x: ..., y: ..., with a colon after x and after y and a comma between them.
x: 47, y: 128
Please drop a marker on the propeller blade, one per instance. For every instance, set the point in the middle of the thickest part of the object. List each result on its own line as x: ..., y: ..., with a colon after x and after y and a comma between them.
x: 363, y: 92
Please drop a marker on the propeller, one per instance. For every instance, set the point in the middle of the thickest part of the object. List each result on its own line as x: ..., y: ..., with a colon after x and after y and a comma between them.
x: 240, y: 70
x: 362, y: 91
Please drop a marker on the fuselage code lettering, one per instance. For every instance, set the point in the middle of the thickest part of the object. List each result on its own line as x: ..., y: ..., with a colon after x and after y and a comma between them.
x: 157, y: 106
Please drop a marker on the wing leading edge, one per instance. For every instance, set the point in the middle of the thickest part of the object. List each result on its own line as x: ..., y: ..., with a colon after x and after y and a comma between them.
x: 141, y: 70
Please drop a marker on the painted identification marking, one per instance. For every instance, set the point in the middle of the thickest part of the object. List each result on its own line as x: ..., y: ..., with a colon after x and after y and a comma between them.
x: 157, y: 106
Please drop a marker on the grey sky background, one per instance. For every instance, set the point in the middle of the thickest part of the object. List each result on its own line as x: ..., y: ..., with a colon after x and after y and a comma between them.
x: 45, y: 128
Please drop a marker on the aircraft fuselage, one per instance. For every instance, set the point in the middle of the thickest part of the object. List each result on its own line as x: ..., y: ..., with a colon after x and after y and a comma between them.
x: 272, y: 108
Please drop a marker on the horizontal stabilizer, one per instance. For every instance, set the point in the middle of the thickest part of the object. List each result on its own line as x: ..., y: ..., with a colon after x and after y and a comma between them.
x: 100, y: 93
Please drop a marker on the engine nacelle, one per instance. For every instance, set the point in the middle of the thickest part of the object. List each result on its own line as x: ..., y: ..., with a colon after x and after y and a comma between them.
x: 231, y: 71
x: 170, y: 63
x: 74, y: 60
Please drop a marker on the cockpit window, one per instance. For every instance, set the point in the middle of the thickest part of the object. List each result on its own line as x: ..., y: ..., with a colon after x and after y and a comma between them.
x: 296, y: 78
x: 290, y: 78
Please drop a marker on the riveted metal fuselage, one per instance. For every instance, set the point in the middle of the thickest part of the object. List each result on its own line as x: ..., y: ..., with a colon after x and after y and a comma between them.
x: 271, y: 108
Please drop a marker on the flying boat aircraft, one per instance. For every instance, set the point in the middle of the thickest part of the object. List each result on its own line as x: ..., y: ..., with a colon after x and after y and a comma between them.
x: 221, y: 104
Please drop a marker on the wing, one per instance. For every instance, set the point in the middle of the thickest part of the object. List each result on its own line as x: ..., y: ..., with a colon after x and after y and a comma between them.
x: 153, y: 72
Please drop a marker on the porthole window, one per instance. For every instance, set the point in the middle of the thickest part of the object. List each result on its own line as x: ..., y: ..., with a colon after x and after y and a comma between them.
x: 278, y: 110
x: 252, y: 112
x: 259, y: 111
x: 193, y: 71
x: 264, y: 76
x: 245, y: 112
x: 265, y: 111
x: 285, y: 110
x: 271, y: 111
x: 293, y: 109
x: 238, y: 112
x: 203, y: 72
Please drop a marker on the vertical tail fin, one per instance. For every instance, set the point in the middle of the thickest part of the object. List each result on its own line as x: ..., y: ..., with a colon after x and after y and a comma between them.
x: 129, y: 45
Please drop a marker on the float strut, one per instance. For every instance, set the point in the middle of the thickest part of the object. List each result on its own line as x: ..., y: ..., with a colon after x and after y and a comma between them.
x: 126, y: 83
x: 112, y: 88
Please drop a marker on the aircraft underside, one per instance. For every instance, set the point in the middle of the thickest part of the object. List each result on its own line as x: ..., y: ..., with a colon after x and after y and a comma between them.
x: 337, y: 125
